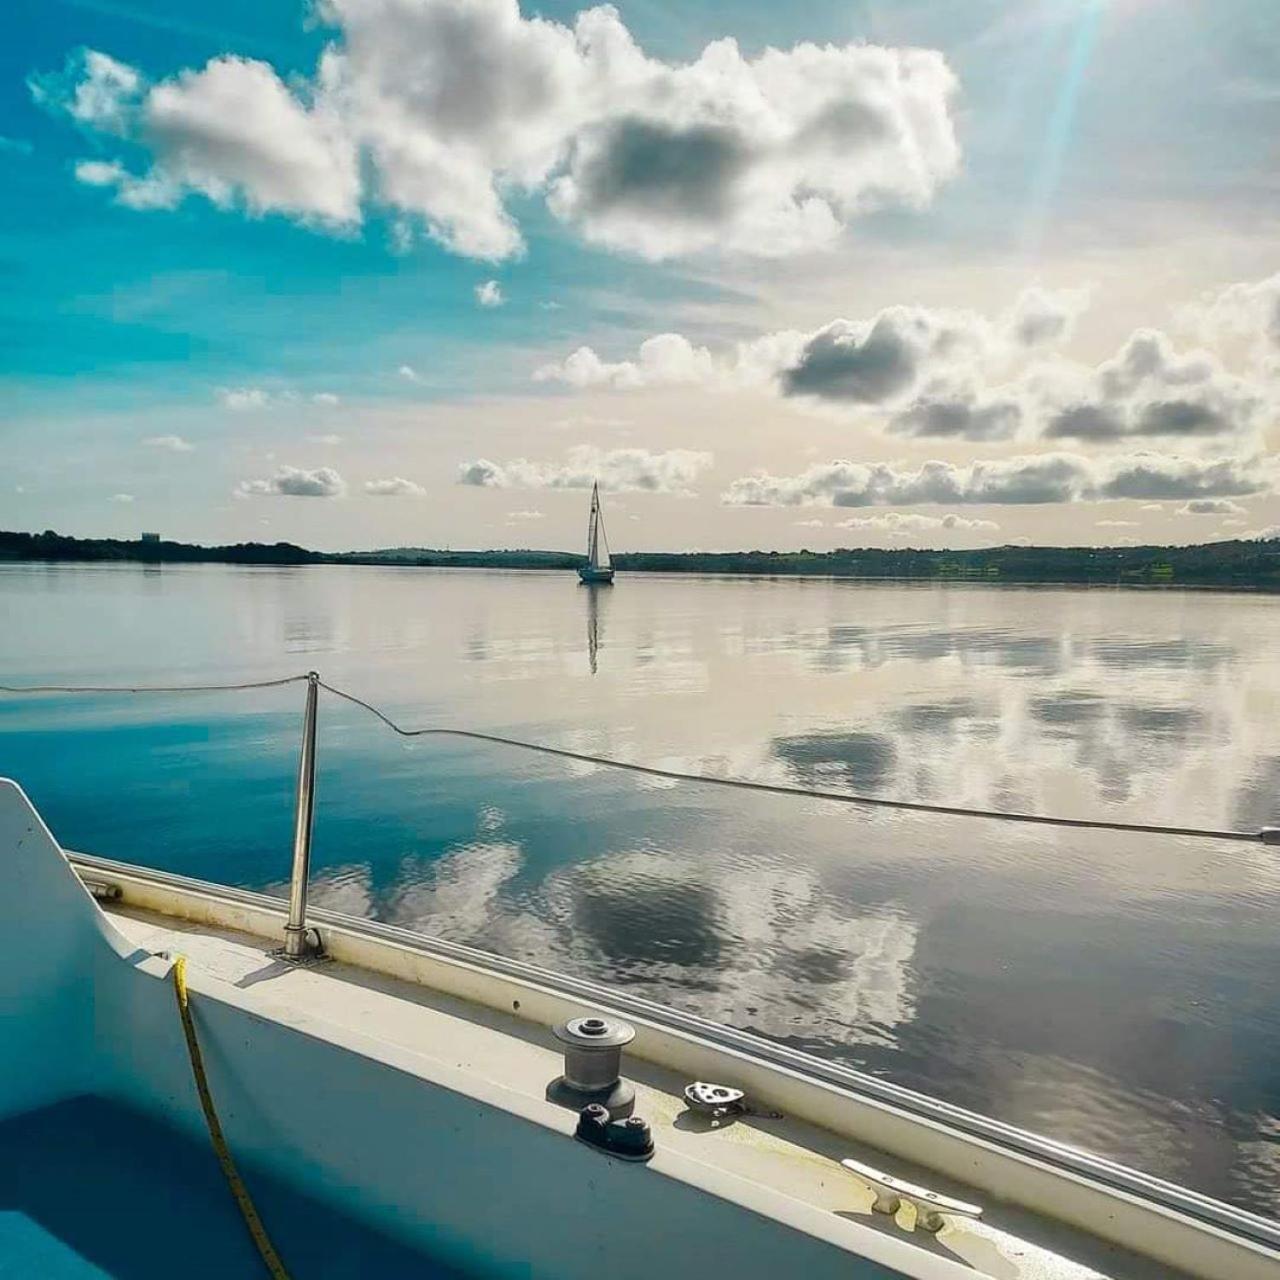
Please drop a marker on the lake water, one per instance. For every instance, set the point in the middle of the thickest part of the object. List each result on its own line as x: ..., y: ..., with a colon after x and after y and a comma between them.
x: 1119, y: 992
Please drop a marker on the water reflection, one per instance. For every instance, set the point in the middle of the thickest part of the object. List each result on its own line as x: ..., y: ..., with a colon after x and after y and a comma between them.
x: 1257, y: 803
x: 593, y: 626
x: 1120, y: 995
x: 862, y: 761
x: 767, y: 949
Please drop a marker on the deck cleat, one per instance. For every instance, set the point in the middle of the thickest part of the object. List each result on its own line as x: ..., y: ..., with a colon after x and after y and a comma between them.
x: 932, y: 1208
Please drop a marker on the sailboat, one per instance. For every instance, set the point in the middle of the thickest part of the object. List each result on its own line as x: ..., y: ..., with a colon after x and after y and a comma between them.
x: 598, y: 570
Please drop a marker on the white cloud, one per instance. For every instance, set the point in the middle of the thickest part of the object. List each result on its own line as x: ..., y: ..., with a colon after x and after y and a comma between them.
x: 1116, y: 524
x: 898, y: 524
x: 875, y: 364
x: 175, y: 444
x: 880, y: 362
x: 93, y: 89
x: 233, y: 132
x: 149, y: 192
x: 489, y: 294
x: 622, y: 470
x: 521, y: 516
x: 454, y: 106
x: 122, y: 497
x: 393, y: 487
x: 293, y: 482
x: 1263, y: 535
x: 1211, y: 507
x: 665, y: 360
x: 1044, y: 317
x: 327, y: 438
x: 242, y: 399
x: 1043, y: 478
x: 409, y: 373
x: 1248, y: 310
x: 1149, y: 389
x: 934, y: 373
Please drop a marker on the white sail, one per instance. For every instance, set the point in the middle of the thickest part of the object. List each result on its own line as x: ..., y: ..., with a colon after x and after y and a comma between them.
x: 598, y: 570
x: 597, y: 541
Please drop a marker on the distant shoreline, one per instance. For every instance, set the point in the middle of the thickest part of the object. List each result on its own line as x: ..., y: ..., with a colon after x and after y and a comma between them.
x: 1234, y: 565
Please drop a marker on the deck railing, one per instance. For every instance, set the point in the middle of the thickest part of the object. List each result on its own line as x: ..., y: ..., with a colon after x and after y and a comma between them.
x: 302, y: 942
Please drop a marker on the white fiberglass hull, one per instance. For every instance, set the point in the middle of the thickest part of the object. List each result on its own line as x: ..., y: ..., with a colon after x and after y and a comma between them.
x: 405, y: 1080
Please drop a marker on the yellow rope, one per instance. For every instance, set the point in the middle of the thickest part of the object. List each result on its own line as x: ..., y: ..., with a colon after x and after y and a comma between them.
x: 241, y: 1193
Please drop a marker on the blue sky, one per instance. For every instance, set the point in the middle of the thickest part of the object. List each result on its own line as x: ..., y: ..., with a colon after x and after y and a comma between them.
x: 929, y: 273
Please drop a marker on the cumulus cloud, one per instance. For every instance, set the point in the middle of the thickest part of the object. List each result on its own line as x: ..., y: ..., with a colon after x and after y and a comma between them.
x: 122, y: 497
x: 451, y: 107
x: 881, y: 361
x: 149, y: 192
x: 489, y: 294
x: 1166, y: 477
x: 917, y: 361
x: 175, y: 444
x: 244, y: 399
x: 1211, y: 507
x: 233, y: 132
x: 622, y: 470
x: 1249, y: 310
x: 393, y: 487
x: 665, y: 360
x: 241, y: 399
x: 772, y: 154
x: 1043, y: 317
x: 899, y: 524
x: 1149, y: 389
x: 935, y: 373
x: 1043, y: 478
x: 961, y: 413
x: 293, y: 482
x: 409, y: 373
x: 93, y: 89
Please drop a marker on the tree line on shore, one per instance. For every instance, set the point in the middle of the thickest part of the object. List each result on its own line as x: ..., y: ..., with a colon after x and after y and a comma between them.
x: 1251, y: 564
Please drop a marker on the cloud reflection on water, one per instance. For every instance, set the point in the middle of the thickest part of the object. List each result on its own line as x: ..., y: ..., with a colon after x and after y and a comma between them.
x: 1116, y: 993
x: 768, y: 950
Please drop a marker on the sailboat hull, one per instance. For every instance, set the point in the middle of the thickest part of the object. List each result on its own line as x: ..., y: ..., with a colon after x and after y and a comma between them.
x: 596, y: 576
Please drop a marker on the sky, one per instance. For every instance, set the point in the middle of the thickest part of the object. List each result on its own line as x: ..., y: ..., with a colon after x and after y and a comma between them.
x: 367, y: 273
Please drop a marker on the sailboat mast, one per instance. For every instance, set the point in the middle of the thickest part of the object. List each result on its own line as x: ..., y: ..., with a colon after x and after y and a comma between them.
x: 593, y: 529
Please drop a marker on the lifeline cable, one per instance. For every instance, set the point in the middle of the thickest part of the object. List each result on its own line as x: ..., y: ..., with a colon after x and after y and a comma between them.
x: 148, y: 688
x: 244, y: 1203
x: 778, y: 789
x: 1267, y: 835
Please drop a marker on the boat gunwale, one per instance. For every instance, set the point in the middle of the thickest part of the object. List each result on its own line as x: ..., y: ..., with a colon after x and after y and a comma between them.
x: 1239, y: 1224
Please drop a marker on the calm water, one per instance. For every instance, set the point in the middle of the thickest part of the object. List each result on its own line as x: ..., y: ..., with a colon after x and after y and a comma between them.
x: 1121, y: 993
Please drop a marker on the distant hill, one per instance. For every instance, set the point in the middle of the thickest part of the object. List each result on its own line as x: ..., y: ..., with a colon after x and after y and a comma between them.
x: 1241, y: 565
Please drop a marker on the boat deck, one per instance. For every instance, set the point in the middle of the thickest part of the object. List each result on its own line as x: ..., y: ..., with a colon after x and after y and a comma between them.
x: 779, y: 1167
